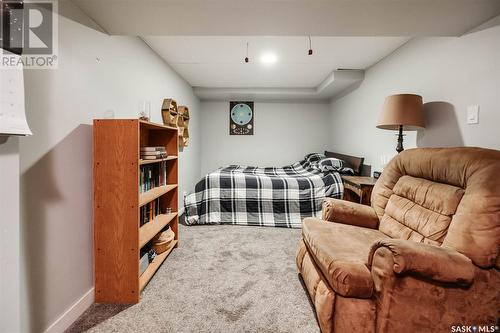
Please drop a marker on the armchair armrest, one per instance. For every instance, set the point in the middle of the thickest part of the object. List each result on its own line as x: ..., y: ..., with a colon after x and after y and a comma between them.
x: 346, y: 212
x: 437, y: 263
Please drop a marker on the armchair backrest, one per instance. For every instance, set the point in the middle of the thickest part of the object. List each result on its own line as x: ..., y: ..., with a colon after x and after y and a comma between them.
x: 443, y: 196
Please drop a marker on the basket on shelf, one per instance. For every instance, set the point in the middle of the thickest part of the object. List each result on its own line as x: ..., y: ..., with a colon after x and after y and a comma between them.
x: 183, y: 125
x: 163, y: 241
x: 169, y: 112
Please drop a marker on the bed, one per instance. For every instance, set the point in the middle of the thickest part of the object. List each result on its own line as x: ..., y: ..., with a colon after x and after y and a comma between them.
x: 278, y: 197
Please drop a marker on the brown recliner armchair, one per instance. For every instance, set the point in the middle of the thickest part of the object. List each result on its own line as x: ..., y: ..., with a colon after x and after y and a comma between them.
x: 422, y: 258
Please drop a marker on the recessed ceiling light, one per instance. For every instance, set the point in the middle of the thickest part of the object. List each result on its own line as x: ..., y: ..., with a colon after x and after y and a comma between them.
x: 269, y: 58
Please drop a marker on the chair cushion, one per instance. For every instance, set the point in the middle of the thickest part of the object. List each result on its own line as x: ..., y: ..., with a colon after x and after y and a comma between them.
x: 454, y: 187
x: 420, y: 210
x: 341, y: 252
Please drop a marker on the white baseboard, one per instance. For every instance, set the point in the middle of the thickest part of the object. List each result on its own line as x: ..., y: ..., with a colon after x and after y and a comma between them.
x: 70, y: 315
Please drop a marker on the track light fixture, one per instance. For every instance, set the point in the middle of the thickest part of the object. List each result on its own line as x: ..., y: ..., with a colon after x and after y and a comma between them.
x: 246, y: 58
x: 310, y: 47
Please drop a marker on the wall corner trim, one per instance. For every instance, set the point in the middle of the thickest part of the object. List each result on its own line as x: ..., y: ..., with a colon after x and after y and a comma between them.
x: 72, y: 313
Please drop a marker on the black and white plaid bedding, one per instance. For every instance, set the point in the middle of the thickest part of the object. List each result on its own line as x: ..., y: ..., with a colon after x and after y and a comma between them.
x: 277, y: 197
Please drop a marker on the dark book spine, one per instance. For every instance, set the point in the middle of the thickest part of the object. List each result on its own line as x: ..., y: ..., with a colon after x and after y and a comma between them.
x: 151, y: 176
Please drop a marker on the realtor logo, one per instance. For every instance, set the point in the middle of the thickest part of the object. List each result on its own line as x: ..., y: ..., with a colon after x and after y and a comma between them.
x: 29, y: 28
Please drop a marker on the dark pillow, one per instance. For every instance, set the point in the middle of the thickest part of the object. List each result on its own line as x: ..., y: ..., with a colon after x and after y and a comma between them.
x: 355, y: 162
x: 332, y: 164
x: 313, y: 157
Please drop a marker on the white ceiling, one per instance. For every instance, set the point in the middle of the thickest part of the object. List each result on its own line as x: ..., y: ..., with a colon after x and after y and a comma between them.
x: 290, y: 17
x: 218, y: 62
x: 205, y: 40
x: 338, y: 82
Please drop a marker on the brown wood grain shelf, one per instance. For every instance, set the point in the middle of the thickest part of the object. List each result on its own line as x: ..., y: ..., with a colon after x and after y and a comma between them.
x: 154, y: 193
x: 117, y: 236
x: 153, y: 267
x: 149, y: 125
x: 150, y: 229
x: 169, y: 158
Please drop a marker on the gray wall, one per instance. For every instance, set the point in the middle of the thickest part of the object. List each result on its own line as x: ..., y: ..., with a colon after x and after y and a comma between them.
x: 56, y: 169
x: 9, y: 235
x: 283, y: 134
x: 450, y: 73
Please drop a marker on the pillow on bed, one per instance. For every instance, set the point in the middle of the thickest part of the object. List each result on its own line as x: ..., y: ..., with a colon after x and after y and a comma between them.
x: 334, y: 164
x: 355, y: 162
x: 313, y: 157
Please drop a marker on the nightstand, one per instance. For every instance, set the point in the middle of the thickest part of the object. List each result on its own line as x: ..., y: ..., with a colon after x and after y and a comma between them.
x: 358, y: 189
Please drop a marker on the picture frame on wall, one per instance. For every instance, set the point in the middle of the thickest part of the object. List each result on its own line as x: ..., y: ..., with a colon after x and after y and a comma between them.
x: 241, y: 118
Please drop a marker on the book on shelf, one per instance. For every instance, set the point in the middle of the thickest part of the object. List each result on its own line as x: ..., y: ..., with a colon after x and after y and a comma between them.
x: 153, y: 153
x: 152, y: 176
x: 149, y: 211
x: 153, y: 157
x: 143, y: 262
x: 153, y: 149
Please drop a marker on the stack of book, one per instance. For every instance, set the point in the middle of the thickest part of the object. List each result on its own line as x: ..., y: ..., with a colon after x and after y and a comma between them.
x: 149, y: 211
x: 153, y: 153
x: 152, y: 175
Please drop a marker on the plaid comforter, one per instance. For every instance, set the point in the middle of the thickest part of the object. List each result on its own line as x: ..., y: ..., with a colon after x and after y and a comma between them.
x: 277, y: 197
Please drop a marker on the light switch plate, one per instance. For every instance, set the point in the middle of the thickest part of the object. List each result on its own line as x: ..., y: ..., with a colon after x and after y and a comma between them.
x: 473, y: 114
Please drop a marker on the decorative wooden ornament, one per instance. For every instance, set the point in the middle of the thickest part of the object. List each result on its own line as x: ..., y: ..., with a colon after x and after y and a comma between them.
x: 169, y: 112
x: 183, y: 125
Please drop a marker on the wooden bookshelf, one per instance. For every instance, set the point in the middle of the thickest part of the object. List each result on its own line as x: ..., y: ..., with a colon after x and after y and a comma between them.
x: 118, y: 236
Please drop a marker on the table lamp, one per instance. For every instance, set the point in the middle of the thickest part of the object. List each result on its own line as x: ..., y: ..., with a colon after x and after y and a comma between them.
x: 402, y: 112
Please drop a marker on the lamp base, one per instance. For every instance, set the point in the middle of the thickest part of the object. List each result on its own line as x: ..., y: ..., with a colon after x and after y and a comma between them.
x: 399, y: 147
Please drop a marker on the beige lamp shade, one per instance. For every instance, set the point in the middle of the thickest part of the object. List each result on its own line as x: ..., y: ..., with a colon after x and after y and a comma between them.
x: 402, y: 110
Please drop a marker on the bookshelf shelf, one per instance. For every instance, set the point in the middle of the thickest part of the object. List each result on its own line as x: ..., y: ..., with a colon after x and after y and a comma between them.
x: 169, y: 158
x: 150, y: 229
x: 153, y: 267
x: 118, y: 237
x: 150, y: 125
x: 154, y: 193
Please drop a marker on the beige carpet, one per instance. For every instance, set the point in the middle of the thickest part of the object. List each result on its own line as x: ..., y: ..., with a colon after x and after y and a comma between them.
x: 220, y: 279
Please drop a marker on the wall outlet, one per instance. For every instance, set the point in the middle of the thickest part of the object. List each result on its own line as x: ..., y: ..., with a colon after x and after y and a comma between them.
x: 473, y: 114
